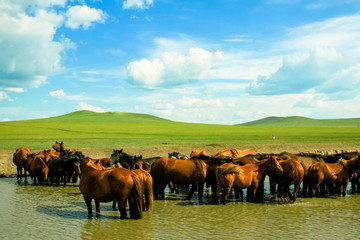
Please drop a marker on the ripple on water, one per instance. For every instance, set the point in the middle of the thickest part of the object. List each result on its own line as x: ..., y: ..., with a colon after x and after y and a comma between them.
x: 58, y: 212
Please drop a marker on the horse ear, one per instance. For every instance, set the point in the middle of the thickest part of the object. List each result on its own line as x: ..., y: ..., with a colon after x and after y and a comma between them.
x: 121, y: 150
x: 140, y: 157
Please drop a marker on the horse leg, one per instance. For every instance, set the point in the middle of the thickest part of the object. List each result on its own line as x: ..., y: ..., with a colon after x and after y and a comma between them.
x: 65, y: 179
x: 88, y: 204
x: 192, y: 190
x: 162, y: 187
x: 122, y: 207
x: 226, y: 192
x: 114, y: 204
x: 201, y: 190
x: 97, y: 205
x: 344, y: 186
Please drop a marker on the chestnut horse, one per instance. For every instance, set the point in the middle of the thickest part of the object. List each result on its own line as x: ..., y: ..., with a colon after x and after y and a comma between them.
x: 146, y: 183
x: 114, y: 184
x: 335, y: 173
x: 248, y: 176
x: 235, y: 153
x: 178, y: 171
x: 197, y: 153
x: 20, y: 159
x: 293, y: 174
x: 38, y: 168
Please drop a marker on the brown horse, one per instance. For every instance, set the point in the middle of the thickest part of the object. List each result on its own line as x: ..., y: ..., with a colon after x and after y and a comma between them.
x: 235, y: 153
x: 179, y: 171
x: 197, y: 153
x: 146, y: 183
x: 248, y: 176
x: 293, y: 174
x: 114, y: 184
x: 38, y: 168
x: 335, y: 173
x: 306, y: 162
x: 20, y: 159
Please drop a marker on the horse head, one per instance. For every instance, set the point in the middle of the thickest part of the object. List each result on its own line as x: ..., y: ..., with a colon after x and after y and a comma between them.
x: 114, y: 158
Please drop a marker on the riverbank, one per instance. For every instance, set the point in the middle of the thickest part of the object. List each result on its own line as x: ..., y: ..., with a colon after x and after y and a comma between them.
x: 7, y: 168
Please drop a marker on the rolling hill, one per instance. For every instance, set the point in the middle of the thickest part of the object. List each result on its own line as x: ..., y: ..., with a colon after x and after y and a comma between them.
x: 296, y: 121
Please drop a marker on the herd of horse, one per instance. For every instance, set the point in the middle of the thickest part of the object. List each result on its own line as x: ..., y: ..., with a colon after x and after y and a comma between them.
x: 134, y: 181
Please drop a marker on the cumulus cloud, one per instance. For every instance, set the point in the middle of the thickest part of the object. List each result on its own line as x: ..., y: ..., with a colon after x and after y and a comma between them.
x: 324, y: 70
x: 137, y: 4
x: 319, y: 57
x: 172, y: 69
x: 84, y: 106
x: 82, y: 15
x: 57, y: 93
x: 30, y: 27
x: 33, y: 35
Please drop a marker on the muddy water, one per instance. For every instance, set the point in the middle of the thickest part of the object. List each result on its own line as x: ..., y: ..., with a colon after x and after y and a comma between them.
x: 58, y: 212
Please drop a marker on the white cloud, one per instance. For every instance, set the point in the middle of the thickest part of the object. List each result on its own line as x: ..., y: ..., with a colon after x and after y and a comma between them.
x: 84, y: 106
x: 57, y: 93
x: 29, y: 27
x: 172, y: 68
x: 82, y: 15
x: 3, y: 95
x: 324, y: 70
x: 137, y: 4
x: 17, y: 90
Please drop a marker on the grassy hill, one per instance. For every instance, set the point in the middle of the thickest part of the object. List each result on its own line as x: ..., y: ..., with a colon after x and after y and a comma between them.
x: 116, y: 129
x: 296, y: 121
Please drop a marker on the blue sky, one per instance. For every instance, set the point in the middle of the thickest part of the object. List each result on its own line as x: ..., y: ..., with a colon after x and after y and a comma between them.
x: 222, y: 62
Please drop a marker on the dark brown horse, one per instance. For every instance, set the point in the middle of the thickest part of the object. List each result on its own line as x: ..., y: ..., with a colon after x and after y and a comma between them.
x: 179, y: 171
x: 20, y: 159
x: 248, y: 176
x: 334, y: 173
x: 293, y: 174
x: 114, y: 184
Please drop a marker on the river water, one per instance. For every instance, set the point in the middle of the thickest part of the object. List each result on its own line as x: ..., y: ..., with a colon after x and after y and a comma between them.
x: 57, y: 212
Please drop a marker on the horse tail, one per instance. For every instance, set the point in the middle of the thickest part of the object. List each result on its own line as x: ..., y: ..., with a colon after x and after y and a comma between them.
x: 135, y: 200
x: 149, y: 196
x: 219, y: 183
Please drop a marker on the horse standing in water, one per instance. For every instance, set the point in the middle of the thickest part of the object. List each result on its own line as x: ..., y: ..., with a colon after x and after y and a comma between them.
x: 178, y: 171
x: 335, y: 173
x: 115, y: 184
x: 248, y: 176
x: 293, y: 174
x: 20, y: 159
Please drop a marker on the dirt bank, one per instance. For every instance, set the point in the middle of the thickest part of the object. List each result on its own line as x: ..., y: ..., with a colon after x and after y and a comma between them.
x: 7, y: 168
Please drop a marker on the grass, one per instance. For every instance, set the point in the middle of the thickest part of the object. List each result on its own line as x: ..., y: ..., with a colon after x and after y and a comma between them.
x: 112, y: 130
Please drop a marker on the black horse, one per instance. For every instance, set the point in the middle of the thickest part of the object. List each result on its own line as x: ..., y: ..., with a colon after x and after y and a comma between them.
x: 65, y: 167
x: 124, y: 159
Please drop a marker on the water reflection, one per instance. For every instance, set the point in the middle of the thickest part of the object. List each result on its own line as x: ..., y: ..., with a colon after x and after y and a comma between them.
x: 42, y: 212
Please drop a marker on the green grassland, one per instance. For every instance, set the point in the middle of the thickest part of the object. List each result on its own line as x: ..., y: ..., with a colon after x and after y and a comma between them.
x: 115, y: 129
